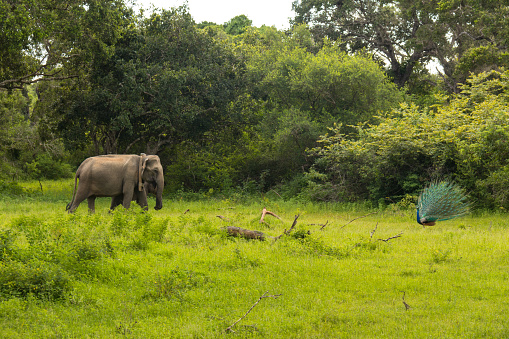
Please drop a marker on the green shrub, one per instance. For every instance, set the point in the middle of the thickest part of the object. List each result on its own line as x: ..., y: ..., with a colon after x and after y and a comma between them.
x: 174, y: 284
x: 11, y: 188
x: 42, y: 279
x: 465, y: 138
x: 45, y: 167
x: 7, y: 247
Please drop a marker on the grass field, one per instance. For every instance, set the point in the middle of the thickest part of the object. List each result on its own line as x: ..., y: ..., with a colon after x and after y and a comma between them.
x: 176, y: 273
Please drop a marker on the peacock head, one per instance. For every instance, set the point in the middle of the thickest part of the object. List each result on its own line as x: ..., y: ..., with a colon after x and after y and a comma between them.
x: 423, y: 221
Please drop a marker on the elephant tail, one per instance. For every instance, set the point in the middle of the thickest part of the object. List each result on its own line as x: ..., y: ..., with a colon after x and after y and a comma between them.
x: 74, y: 190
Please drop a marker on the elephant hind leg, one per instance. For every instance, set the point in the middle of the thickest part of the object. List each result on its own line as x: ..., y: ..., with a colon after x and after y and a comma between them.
x: 71, y: 207
x: 91, y: 204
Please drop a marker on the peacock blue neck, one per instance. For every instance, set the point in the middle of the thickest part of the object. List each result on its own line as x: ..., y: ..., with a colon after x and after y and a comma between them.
x: 418, y: 217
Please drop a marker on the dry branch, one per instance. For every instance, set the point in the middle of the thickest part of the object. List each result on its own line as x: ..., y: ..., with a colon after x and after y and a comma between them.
x: 293, y: 224
x: 373, y: 232
x: 264, y: 212
x: 393, y: 237
x: 323, y: 226
x: 407, y: 307
x: 223, y: 218
x: 359, y: 218
x: 264, y: 295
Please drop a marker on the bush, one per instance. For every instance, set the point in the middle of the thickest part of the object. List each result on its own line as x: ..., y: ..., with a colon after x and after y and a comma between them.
x: 41, y: 279
x: 45, y: 167
x: 466, y: 138
x: 11, y: 188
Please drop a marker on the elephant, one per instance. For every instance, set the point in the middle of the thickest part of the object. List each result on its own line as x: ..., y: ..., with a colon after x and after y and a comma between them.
x: 123, y: 177
x: 149, y: 187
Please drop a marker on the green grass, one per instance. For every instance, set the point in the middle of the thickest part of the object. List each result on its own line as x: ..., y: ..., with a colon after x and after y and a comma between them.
x: 173, y: 274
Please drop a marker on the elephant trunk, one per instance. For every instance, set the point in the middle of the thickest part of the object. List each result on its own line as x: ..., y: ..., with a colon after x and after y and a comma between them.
x: 159, y: 193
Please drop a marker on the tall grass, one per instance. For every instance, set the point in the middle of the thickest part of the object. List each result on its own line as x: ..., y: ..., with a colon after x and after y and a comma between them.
x: 177, y: 273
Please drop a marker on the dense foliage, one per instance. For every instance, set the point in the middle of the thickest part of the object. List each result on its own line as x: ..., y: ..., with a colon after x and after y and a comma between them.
x: 464, y: 138
x: 229, y: 106
x: 406, y: 35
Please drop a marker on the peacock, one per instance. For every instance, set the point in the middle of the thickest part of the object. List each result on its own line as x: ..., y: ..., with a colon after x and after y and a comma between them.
x: 441, y: 200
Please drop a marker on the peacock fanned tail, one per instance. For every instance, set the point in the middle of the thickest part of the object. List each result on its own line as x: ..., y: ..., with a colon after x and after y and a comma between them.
x: 441, y: 201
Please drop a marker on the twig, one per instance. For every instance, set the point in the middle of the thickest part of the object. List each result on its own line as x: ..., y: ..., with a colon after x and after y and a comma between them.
x: 358, y: 218
x: 264, y: 295
x: 373, y: 232
x: 407, y: 307
x: 322, y: 225
x: 393, y: 237
x: 293, y: 224
x: 264, y: 212
x: 223, y: 218
x: 285, y: 232
x: 186, y: 211
x: 276, y: 194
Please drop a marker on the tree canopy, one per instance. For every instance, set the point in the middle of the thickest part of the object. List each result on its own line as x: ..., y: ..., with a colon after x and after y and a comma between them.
x: 407, y: 35
x: 40, y: 37
x: 338, y: 107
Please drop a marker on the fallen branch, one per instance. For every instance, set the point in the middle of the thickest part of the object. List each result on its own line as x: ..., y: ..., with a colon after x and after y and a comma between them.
x: 393, y: 237
x: 373, y: 232
x: 293, y: 224
x: 186, y: 211
x: 358, y: 218
x: 264, y: 295
x: 223, y: 218
x: 323, y: 226
x: 264, y: 212
x: 407, y: 307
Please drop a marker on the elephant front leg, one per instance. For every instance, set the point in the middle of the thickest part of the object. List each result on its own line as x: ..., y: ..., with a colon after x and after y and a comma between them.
x: 142, y: 199
x: 91, y: 204
x: 128, y: 196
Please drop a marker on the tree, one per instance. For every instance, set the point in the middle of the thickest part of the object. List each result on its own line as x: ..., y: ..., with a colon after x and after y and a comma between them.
x: 329, y: 84
x: 164, y: 81
x: 41, y: 38
x: 237, y: 25
x: 406, y: 34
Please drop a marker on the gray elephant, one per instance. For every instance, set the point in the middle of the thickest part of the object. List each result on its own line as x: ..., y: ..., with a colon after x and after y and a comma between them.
x: 120, y: 176
x: 149, y: 187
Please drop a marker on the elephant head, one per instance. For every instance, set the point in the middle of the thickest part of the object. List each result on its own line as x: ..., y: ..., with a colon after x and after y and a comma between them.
x: 151, y: 173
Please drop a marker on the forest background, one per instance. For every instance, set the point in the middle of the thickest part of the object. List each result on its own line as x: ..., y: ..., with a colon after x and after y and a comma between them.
x: 359, y: 101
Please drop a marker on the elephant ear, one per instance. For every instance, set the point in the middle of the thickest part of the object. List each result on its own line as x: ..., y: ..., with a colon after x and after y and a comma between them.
x: 141, y: 168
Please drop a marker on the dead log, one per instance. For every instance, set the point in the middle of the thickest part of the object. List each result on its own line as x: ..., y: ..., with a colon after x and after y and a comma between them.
x: 248, y: 234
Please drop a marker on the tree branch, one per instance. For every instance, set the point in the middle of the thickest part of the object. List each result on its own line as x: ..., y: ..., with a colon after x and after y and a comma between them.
x: 358, y: 218
x: 264, y: 295
x: 264, y: 212
x: 393, y: 237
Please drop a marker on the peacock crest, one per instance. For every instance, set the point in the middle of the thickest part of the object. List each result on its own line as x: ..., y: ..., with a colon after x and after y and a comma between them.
x: 441, y: 201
